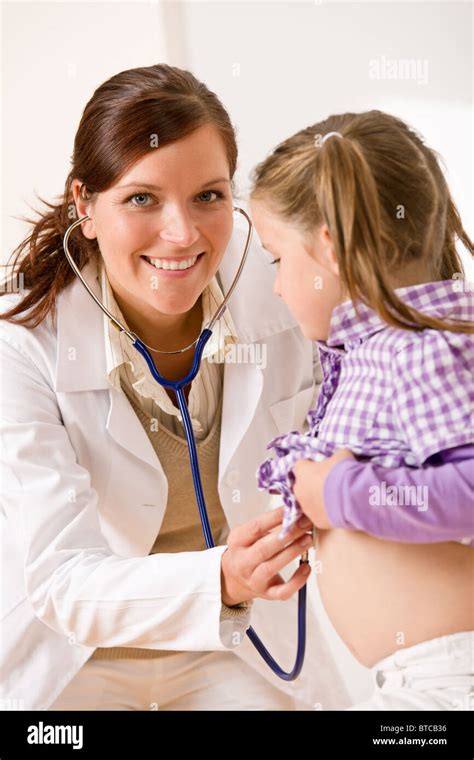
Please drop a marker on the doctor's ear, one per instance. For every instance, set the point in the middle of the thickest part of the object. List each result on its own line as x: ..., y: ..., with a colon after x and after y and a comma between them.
x: 83, y: 206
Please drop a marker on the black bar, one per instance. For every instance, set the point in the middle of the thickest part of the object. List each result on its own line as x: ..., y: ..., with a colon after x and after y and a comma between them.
x: 314, y: 734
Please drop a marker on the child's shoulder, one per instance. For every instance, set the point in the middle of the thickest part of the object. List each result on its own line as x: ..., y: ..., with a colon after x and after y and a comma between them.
x: 416, y: 354
x: 397, y: 341
x: 433, y: 341
x: 426, y: 354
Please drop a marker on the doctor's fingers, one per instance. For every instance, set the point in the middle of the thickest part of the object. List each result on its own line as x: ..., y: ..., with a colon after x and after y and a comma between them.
x: 253, y: 530
x: 266, y: 568
x: 282, y: 590
x: 271, y: 545
x: 268, y: 523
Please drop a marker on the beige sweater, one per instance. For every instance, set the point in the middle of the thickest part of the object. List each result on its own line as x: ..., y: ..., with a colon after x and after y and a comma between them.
x: 181, y: 528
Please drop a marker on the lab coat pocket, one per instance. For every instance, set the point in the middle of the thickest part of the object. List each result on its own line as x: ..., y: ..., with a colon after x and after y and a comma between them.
x: 290, y: 414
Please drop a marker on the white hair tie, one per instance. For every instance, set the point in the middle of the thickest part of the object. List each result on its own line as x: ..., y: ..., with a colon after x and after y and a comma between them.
x: 329, y: 134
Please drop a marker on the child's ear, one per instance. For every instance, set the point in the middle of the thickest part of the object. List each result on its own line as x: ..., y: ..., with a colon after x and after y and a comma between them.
x: 83, y: 207
x: 328, y: 251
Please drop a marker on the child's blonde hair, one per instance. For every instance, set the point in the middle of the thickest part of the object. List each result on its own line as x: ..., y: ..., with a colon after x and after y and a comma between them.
x: 384, y: 198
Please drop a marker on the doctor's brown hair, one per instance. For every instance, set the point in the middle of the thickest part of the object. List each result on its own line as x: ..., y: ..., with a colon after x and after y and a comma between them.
x: 381, y: 192
x: 115, y: 131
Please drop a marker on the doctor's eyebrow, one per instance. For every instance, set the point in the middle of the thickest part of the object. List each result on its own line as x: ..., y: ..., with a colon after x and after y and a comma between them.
x: 156, y: 187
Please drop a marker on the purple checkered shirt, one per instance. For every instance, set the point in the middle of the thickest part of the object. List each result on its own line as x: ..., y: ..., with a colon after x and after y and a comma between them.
x: 392, y: 396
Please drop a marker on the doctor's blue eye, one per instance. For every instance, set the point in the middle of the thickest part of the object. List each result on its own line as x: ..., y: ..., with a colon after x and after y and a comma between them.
x: 138, y: 195
x: 217, y: 193
x: 139, y: 200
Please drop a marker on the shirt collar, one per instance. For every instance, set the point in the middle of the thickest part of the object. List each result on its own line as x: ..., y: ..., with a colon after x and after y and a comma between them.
x: 118, y: 348
x: 447, y: 299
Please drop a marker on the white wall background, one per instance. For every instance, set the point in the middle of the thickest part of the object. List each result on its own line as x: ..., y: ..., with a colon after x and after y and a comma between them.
x: 277, y: 67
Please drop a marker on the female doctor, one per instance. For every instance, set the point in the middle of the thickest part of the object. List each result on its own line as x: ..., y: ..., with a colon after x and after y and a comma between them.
x: 111, y: 599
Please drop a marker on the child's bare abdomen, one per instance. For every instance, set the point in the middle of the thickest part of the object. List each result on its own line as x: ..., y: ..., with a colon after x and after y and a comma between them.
x: 384, y: 595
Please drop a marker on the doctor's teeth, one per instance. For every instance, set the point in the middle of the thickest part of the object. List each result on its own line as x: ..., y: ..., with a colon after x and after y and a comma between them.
x: 167, y: 264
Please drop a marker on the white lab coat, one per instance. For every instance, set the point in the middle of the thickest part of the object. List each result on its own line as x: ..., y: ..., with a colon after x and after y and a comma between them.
x: 84, y: 496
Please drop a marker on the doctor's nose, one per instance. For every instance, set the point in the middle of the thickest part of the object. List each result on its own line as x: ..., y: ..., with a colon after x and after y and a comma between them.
x: 179, y: 228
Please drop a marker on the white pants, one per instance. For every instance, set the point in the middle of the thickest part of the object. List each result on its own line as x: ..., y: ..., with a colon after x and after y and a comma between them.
x: 434, y: 675
x: 181, y: 681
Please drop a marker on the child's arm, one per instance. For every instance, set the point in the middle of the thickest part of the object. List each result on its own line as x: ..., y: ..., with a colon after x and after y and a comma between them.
x: 344, y: 493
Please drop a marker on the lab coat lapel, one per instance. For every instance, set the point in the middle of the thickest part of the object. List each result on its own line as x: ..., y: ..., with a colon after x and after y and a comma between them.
x: 257, y: 314
x: 126, y: 429
x: 81, y: 363
x: 243, y: 384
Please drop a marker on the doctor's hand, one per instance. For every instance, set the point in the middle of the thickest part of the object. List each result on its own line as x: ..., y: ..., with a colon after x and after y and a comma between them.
x: 255, y: 555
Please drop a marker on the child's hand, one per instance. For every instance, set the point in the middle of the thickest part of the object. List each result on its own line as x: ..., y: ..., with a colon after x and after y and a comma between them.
x: 308, y: 487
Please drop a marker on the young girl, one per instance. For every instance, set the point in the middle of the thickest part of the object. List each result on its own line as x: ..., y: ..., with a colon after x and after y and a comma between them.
x: 358, y: 215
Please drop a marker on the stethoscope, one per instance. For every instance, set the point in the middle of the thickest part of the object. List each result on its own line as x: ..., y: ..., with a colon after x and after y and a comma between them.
x: 178, y: 386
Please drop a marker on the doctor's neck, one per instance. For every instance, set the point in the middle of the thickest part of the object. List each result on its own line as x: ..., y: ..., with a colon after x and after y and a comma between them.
x: 166, y: 332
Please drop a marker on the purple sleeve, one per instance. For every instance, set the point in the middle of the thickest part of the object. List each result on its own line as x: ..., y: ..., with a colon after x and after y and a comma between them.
x: 439, y: 505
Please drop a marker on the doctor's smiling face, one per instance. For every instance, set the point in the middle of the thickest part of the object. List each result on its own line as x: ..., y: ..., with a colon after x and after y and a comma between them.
x: 308, y: 274
x: 174, y: 207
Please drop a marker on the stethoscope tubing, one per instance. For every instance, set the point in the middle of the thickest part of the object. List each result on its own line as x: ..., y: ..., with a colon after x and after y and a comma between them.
x: 178, y: 387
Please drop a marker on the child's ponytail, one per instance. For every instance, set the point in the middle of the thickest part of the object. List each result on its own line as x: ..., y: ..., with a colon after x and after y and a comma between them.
x: 347, y: 196
x: 451, y: 267
x: 384, y: 198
